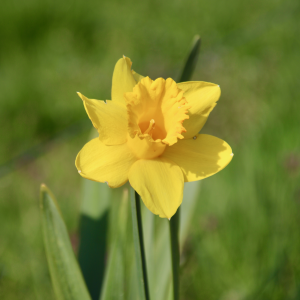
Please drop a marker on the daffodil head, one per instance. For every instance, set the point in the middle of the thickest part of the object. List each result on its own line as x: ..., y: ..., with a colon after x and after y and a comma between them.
x: 149, y: 135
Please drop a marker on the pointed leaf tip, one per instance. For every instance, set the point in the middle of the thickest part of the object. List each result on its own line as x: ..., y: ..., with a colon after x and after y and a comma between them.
x: 66, y: 276
x: 191, y: 60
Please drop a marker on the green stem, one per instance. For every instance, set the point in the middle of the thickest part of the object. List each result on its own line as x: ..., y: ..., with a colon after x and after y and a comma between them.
x: 174, y: 239
x: 138, y: 238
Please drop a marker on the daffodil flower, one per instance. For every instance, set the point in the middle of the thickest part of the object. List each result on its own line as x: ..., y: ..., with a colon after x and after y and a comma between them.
x: 149, y: 135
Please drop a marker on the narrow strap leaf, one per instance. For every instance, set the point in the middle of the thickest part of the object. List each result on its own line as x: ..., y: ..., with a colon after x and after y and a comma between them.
x: 93, y: 234
x: 186, y: 75
x: 66, y: 276
x: 190, y: 64
x: 93, y: 230
x: 115, y: 281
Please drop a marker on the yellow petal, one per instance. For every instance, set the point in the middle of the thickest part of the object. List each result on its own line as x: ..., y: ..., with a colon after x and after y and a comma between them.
x: 137, y: 76
x: 200, y: 157
x: 99, y: 162
x: 201, y: 96
x: 123, y: 80
x: 159, y: 182
x: 109, y: 118
x: 145, y: 148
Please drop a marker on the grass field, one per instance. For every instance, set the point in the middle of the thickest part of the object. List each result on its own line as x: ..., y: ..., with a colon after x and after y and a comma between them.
x: 244, y: 242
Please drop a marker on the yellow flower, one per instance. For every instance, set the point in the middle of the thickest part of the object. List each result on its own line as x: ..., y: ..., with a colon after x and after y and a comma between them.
x: 148, y: 134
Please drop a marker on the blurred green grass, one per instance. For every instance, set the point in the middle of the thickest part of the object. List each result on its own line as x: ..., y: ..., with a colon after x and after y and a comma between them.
x: 245, y: 238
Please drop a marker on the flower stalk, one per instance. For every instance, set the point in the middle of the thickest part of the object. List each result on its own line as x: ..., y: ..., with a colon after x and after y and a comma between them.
x: 138, y: 239
x: 174, y: 239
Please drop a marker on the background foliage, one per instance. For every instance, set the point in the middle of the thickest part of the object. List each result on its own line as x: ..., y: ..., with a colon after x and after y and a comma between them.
x: 244, y: 242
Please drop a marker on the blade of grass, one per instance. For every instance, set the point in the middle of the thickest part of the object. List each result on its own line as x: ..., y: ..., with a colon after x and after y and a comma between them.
x: 138, y: 240
x: 67, y: 280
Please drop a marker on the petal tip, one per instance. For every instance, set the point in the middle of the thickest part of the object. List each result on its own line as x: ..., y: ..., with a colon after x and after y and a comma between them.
x: 80, y: 95
x: 107, y: 184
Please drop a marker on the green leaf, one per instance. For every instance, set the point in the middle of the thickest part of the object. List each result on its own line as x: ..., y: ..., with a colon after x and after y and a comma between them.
x: 158, y: 254
x: 66, y: 276
x: 115, y: 282
x: 191, y: 62
x: 157, y: 236
x: 93, y: 231
x: 190, y: 197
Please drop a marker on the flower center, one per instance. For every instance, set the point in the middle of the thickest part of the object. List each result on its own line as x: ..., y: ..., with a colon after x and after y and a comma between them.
x: 150, y: 128
x: 156, y: 111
